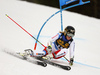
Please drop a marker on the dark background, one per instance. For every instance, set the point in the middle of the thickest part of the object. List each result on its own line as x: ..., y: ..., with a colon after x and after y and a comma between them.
x: 91, y: 9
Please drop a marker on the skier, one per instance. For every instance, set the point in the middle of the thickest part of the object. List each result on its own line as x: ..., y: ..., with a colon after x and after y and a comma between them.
x: 57, y: 46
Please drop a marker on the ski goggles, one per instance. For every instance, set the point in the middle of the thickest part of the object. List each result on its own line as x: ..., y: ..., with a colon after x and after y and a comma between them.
x: 70, y: 35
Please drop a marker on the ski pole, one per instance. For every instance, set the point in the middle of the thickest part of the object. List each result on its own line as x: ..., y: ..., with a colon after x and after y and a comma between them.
x: 24, y: 30
x: 29, y: 33
x: 66, y: 59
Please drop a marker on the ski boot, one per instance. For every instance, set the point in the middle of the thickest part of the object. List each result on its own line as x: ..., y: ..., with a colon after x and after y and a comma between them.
x: 28, y: 52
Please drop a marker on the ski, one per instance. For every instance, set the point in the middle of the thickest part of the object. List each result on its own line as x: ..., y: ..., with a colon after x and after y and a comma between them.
x: 38, y: 60
x: 29, y: 59
x: 54, y: 64
x: 44, y: 62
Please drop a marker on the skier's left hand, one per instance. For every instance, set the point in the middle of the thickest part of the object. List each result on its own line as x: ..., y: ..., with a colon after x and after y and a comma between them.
x: 71, y: 61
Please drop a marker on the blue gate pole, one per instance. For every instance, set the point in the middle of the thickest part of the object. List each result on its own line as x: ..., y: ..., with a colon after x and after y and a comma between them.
x: 61, y: 18
x: 81, y: 2
x: 57, y: 13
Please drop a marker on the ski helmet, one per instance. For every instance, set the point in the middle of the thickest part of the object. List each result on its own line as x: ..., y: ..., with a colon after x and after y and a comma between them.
x: 69, y: 31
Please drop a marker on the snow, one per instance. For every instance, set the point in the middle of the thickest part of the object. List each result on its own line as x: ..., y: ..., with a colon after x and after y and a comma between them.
x: 31, y: 17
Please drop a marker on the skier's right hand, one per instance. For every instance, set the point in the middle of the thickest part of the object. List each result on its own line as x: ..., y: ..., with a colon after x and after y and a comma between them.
x: 49, y: 48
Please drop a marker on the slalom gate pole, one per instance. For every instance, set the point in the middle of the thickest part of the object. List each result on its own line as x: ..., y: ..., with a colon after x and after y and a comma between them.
x: 24, y: 30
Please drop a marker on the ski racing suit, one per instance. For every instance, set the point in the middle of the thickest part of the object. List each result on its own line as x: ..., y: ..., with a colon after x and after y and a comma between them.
x: 60, y: 47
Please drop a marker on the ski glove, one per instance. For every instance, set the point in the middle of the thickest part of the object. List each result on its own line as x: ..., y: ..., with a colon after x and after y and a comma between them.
x: 49, y: 49
x: 71, y: 61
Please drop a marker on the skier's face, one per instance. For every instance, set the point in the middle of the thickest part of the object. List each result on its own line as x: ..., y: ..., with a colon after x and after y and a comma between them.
x: 68, y: 37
